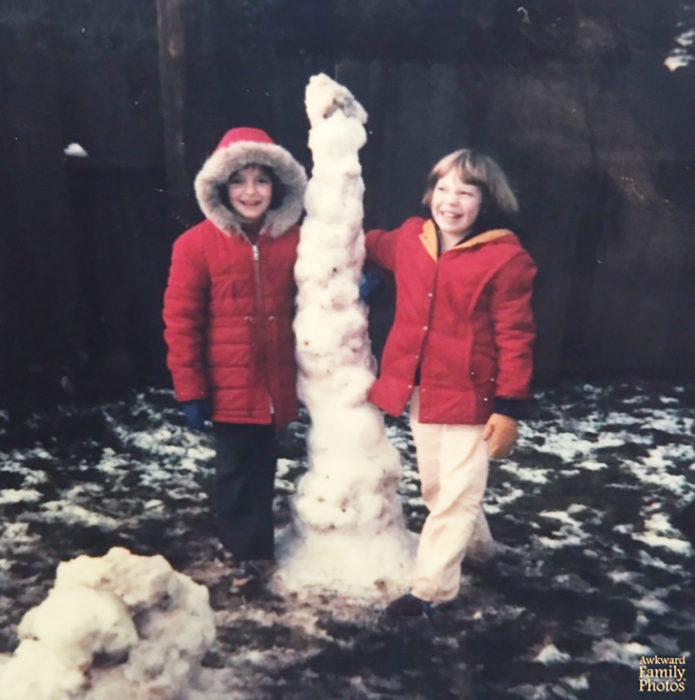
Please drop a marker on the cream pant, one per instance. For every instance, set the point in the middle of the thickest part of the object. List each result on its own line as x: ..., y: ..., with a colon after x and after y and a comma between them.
x: 453, y: 466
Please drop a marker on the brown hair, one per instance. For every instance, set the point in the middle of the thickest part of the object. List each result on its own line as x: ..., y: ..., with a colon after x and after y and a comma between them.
x: 499, y: 205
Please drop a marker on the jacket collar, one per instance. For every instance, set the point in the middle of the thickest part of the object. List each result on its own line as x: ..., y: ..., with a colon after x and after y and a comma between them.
x: 428, y: 237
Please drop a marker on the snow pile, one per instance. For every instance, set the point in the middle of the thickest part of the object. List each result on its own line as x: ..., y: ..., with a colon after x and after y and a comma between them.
x: 681, y: 56
x: 112, y: 627
x: 550, y: 654
x: 351, y: 534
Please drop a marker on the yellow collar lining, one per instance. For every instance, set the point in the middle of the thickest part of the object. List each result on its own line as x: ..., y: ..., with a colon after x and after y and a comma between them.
x: 429, y: 238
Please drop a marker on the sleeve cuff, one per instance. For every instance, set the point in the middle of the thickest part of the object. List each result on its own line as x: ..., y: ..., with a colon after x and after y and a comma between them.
x: 514, y: 408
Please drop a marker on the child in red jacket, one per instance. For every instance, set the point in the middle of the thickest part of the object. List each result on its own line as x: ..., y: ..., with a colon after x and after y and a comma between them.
x: 460, y: 351
x: 228, y: 315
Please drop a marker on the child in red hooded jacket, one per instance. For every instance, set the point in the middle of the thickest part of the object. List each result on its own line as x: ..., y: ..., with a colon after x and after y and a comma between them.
x: 228, y: 315
x: 460, y: 351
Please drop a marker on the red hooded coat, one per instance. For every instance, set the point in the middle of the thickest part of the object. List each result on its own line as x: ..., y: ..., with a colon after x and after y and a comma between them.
x: 228, y: 303
x: 463, y: 317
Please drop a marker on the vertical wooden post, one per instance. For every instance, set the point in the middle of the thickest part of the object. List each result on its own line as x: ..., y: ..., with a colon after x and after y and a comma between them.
x: 172, y: 52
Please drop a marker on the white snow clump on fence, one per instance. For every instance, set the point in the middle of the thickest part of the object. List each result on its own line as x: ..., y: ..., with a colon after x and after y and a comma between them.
x: 74, y: 150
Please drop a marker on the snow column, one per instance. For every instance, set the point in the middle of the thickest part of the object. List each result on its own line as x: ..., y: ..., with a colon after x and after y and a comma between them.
x: 350, y: 535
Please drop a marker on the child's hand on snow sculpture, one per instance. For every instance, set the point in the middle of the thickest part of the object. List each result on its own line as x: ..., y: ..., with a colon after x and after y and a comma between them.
x: 369, y: 281
x: 501, y: 433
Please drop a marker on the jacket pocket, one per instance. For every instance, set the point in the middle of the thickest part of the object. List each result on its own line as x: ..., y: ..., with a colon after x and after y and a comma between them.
x: 483, y: 366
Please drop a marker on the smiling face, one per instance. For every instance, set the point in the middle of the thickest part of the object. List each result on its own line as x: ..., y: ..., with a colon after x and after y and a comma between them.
x: 250, y: 193
x: 455, y: 204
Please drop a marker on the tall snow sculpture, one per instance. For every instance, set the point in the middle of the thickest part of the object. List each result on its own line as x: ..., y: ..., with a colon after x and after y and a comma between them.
x: 350, y: 534
x: 117, y: 626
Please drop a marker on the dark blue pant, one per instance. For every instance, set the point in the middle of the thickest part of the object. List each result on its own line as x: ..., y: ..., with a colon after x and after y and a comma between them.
x: 244, y: 478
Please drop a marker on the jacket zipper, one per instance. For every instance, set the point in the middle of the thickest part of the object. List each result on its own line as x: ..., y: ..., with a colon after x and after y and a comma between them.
x: 261, y: 319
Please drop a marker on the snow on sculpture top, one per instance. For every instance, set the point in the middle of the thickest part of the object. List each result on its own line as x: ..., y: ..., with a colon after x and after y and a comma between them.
x: 350, y: 531
x: 324, y: 97
x: 118, y: 626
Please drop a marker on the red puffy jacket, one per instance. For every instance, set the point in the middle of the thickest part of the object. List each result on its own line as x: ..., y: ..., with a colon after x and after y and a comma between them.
x: 464, y: 318
x: 228, y: 304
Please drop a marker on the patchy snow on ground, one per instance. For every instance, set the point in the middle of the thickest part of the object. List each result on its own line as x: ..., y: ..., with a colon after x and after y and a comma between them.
x: 591, y: 573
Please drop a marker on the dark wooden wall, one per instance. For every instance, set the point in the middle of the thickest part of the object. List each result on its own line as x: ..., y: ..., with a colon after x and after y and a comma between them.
x: 572, y: 99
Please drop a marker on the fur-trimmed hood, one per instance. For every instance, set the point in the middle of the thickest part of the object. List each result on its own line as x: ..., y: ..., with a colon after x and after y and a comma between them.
x: 238, y: 148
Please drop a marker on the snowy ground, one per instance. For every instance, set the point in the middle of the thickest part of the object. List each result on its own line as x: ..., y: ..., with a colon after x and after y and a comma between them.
x: 593, y: 575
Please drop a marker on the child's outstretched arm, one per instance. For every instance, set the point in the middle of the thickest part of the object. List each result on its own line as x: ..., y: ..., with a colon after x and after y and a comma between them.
x: 381, y: 247
x: 381, y: 244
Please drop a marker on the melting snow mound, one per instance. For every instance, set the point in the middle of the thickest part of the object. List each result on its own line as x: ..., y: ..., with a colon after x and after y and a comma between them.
x: 116, y: 627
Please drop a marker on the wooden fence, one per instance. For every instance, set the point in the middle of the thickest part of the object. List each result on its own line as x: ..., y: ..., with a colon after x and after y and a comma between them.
x: 590, y: 126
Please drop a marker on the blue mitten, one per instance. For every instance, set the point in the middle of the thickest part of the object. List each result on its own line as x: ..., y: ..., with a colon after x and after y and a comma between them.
x: 196, y: 412
x: 369, y: 281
